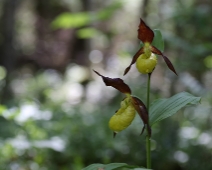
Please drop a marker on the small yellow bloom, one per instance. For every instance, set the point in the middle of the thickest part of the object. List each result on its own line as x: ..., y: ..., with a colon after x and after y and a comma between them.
x: 123, y: 117
x: 129, y: 106
x: 146, y: 64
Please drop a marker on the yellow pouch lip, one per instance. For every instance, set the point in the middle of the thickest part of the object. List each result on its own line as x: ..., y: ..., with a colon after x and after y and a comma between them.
x: 123, y: 117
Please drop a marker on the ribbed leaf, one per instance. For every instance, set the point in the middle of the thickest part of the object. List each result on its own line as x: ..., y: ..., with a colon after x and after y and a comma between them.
x: 163, y: 108
x: 111, y: 166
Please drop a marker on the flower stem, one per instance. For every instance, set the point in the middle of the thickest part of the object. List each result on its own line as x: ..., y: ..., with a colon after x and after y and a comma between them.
x: 148, y: 90
x: 148, y: 142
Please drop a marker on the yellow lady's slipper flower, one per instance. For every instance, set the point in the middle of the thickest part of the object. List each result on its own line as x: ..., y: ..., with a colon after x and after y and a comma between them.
x: 146, y: 35
x: 129, y: 106
x: 146, y: 65
x: 123, y: 117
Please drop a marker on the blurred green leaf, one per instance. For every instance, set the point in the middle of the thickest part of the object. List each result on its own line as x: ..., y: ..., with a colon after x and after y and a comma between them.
x: 208, y: 61
x: 75, y: 20
x: 140, y: 169
x: 158, y: 40
x: 2, y: 108
x: 72, y: 20
x: 87, y: 33
x: 110, y: 166
x: 108, y: 12
x: 163, y: 108
x: 3, y: 72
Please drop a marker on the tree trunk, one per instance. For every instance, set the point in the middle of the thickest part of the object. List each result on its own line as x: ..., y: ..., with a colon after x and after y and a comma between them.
x: 8, y: 53
x: 7, y: 50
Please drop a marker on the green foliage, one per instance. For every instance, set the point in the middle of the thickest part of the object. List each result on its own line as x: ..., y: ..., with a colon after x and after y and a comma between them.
x: 3, y: 73
x: 87, y: 33
x: 109, y: 11
x: 111, y: 166
x: 68, y: 20
x: 191, y: 40
x: 76, y: 20
x: 208, y: 61
x: 164, y: 108
x: 2, y: 109
x: 158, y: 40
x: 83, y: 126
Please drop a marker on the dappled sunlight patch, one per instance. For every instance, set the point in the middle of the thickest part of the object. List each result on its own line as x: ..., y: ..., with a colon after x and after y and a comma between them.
x: 205, y: 139
x: 10, y: 113
x: 194, y: 118
x: 26, y: 112
x: 68, y: 92
x: 76, y: 73
x: 189, y: 132
x: 96, y: 56
x: 55, y: 143
x: 52, y: 78
x: 181, y: 156
x: 41, y: 84
x: 22, y: 143
x: 70, y: 111
x: 73, y: 93
x: 95, y: 93
x: 19, y: 86
x: 192, y: 83
x: 32, y: 111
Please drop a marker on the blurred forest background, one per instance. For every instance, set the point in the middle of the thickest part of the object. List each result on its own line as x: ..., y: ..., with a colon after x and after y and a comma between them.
x: 54, y: 110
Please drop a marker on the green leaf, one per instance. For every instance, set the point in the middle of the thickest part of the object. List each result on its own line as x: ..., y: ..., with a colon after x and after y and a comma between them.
x: 87, y: 33
x: 111, y: 166
x: 3, y: 72
x: 2, y: 109
x: 163, y: 108
x: 158, y: 41
x: 208, y: 61
x: 94, y: 166
x: 68, y: 20
x: 141, y: 169
x: 107, y: 12
x: 72, y: 20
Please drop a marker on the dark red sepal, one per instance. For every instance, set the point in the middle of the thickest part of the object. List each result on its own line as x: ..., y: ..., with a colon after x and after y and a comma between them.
x: 145, y: 34
x: 117, y: 83
x: 168, y: 62
x: 135, y: 57
x: 143, y: 113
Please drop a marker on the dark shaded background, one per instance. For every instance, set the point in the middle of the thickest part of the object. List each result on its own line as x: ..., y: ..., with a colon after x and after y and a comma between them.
x: 55, y: 110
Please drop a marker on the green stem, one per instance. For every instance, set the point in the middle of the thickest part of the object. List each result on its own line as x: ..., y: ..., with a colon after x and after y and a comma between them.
x: 148, y: 90
x: 148, y: 142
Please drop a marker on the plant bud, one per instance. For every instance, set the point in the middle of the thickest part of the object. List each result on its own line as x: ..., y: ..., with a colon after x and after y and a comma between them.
x: 123, y: 117
x: 146, y: 64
